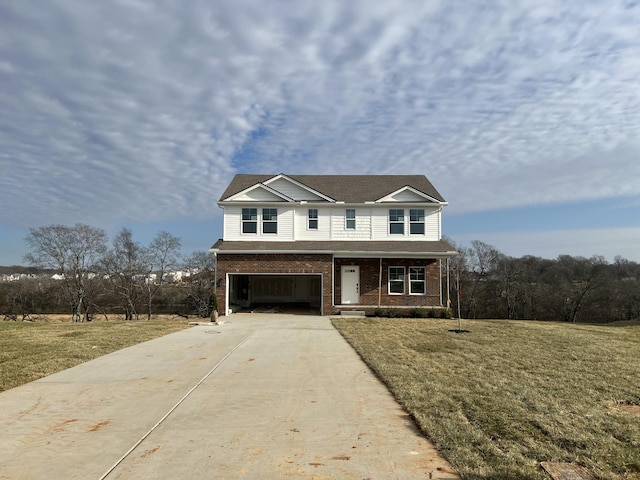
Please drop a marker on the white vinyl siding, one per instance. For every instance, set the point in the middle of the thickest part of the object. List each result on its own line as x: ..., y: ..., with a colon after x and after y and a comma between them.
x: 432, y: 224
x: 233, y: 225
x: 339, y: 222
x: 303, y: 232
x: 372, y: 223
x: 380, y: 224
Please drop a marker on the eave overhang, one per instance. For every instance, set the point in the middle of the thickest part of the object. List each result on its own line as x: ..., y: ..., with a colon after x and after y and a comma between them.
x: 343, y: 249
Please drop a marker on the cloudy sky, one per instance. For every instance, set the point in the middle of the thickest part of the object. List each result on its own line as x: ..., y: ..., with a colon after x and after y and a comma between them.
x: 137, y: 113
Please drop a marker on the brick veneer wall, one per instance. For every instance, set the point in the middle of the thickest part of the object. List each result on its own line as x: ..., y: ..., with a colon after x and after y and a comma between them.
x: 275, y: 263
x: 369, y: 282
x: 322, y: 264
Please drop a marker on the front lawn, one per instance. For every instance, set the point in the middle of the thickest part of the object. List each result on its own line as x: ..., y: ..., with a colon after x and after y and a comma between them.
x: 31, y: 350
x: 509, y: 394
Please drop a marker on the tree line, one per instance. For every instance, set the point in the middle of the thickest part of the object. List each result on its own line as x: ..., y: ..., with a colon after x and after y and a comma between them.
x: 98, y: 277
x: 484, y: 283
x: 101, y: 277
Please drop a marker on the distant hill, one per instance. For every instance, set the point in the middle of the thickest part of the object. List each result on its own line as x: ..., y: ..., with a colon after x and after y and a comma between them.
x: 23, y: 269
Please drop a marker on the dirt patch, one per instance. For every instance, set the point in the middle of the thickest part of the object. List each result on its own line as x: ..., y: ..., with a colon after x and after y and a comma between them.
x: 151, y: 451
x: 99, y: 425
x: 628, y: 408
x: 565, y: 471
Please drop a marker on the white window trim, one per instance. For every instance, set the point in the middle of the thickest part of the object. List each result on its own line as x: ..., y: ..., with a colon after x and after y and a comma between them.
x: 309, y: 219
x: 263, y: 222
x: 423, y: 222
x: 389, y: 222
x: 243, y: 221
x: 346, y: 219
x: 424, y: 282
x: 404, y: 280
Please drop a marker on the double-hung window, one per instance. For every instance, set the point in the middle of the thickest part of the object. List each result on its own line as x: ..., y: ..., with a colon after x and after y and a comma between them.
x: 249, y: 220
x: 350, y: 219
x: 416, y: 221
x: 396, y: 221
x: 417, y: 281
x: 312, y: 216
x: 396, y: 280
x: 269, y: 220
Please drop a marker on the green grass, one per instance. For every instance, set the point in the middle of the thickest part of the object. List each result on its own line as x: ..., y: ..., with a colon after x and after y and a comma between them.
x: 507, y: 395
x: 29, y: 351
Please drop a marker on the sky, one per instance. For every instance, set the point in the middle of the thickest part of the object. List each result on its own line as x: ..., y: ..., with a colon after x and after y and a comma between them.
x: 137, y: 113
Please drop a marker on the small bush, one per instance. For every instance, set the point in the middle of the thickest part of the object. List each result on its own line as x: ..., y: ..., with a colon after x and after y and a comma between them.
x: 446, y: 313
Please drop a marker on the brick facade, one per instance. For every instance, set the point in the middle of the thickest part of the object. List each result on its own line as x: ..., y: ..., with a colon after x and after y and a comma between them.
x: 323, y: 264
x: 275, y: 263
x: 370, y: 282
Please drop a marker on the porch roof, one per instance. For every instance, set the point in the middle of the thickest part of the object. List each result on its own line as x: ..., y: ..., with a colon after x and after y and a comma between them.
x: 385, y: 249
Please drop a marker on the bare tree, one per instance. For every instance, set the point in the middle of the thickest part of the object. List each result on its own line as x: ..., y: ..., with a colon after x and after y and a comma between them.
x: 201, y: 291
x: 482, y: 259
x: 508, y: 273
x: 74, y: 252
x: 126, y: 265
x: 162, y: 255
x: 458, y: 269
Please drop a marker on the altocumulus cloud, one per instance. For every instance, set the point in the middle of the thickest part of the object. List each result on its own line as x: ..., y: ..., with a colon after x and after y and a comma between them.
x: 136, y: 110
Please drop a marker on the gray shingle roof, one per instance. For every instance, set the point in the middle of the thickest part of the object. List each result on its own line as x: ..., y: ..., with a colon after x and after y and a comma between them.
x: 344, y: 188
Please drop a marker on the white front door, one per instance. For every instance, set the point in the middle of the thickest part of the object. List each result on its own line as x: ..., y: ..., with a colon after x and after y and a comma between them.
x: 350, y: 284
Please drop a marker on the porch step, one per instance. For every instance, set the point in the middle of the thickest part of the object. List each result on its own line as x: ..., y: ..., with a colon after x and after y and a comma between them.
x: 352, y: 313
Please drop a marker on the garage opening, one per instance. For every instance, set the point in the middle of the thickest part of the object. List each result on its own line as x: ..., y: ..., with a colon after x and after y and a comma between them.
x: 275, y: 293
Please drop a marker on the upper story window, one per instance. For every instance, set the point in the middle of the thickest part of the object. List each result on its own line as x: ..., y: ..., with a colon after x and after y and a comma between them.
x: 396, y: 280
x: 396, y: 221
x: 350, y: 219
x: 417, y: 281
x: 249, y: 220
x: 313, y: 219
x: 269, y: 220
x: 416, y: 221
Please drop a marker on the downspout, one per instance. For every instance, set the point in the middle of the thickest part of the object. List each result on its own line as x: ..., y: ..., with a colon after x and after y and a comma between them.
x: 380, y: 284
x: 333, y: 279
x: 448, y: 286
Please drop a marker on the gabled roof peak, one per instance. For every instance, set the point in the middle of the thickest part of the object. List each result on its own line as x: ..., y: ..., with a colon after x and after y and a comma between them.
x: 345, y: 188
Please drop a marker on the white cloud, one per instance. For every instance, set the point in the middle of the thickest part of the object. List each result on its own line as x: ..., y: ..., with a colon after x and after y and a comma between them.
x: 142, y: 110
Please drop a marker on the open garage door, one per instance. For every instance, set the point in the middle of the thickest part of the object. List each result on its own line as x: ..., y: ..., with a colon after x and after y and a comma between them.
x: 269, y: 292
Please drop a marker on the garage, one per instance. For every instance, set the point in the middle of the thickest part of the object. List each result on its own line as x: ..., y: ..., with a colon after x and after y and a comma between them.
x: 270, y: 292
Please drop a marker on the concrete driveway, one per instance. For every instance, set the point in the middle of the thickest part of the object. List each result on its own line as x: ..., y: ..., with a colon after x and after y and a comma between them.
x: 259, y: 397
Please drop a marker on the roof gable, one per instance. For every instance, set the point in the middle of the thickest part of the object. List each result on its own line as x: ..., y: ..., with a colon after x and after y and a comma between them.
x: 295, y: 190
x: 259, y: 193
x: 407, y: 194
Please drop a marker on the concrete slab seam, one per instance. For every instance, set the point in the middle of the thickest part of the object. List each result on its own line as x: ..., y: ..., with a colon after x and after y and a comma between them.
x: 166, y: 415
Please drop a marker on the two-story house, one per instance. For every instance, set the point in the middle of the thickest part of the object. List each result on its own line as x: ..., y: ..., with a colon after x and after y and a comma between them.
x: 331, y: 242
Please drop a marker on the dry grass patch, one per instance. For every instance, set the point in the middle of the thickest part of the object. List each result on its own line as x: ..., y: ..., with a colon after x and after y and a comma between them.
x: 499, y: 400
x: 31, y: 350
